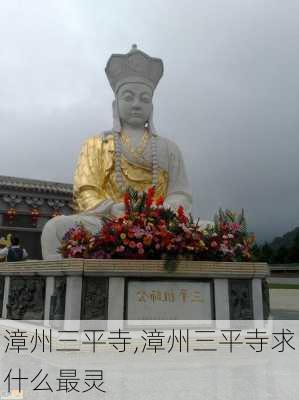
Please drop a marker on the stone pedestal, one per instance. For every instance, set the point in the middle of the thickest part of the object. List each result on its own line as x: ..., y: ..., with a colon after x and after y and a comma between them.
x: 118, y: 290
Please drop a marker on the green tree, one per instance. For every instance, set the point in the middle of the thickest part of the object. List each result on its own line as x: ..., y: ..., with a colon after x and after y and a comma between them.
x: 266, y: 253
x: 256, y: 252
x: 293, y: 253
x: 281, y: 255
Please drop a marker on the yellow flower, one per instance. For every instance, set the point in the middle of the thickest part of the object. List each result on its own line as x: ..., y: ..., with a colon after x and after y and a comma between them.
x: 190, y: 248
x: 147, y: 240
x: 201, y: 244
x: 123, y: 236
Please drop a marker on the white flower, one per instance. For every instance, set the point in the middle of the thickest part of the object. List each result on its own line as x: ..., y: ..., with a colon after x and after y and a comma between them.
x: 224, y: 249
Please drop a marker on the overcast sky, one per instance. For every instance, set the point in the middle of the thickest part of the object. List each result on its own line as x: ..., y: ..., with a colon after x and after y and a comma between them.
x: 228, y: 97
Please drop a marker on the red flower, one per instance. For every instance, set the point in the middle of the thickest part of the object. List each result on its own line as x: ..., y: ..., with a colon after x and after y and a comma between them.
x: 150, y: 197
x: 160, y: 201
x: 127, y: 202
x: 181, y: 215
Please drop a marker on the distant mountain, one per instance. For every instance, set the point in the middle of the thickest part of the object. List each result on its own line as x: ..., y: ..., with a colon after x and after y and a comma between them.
x: 286, y: 240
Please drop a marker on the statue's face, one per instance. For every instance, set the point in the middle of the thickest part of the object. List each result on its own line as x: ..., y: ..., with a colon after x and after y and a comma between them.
x: 135, y: 104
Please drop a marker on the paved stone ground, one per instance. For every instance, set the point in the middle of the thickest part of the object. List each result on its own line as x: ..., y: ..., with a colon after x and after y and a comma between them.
x: 287, y: 315
x: 284, y: 303
x: 284, y: 280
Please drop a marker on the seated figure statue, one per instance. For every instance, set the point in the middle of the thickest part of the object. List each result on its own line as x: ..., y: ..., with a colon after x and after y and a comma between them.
x: 130, y: 155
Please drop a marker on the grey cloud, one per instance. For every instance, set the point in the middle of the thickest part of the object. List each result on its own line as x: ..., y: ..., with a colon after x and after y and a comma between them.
x: 229, y: 96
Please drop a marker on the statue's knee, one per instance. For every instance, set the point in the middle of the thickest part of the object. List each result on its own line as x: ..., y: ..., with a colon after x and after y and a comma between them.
x: 51, y: 237
x: 61, y: 221
x: 54, y: 225
x: 48, y: 227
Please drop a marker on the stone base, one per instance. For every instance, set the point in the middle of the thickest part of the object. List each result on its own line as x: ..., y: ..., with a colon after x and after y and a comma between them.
x: 101, y: 290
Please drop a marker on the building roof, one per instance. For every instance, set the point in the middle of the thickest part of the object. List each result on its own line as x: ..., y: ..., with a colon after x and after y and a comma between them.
x: 34, y: 185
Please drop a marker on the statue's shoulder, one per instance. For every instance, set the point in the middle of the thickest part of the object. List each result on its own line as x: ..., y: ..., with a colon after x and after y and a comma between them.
x: 169, y: 145
x: 99, y: 139
x: 106, y: 135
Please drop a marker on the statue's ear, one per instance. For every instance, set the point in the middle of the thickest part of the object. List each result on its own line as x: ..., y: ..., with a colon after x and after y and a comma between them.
x: 116, y: 119
x: 151, y: 126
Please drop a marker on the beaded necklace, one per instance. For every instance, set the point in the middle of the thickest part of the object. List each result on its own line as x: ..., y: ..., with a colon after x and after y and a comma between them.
x: 139, y: 150
x: 118, y: 151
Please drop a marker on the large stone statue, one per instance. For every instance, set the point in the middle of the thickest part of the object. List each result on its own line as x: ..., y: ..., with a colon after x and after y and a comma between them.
x: 131, y: 154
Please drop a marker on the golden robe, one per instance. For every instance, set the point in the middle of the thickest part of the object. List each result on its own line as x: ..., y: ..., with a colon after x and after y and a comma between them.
x: 96, y: 191
x: 95, y: 182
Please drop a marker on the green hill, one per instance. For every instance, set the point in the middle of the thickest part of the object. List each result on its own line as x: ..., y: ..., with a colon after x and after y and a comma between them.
x: 286, y: 240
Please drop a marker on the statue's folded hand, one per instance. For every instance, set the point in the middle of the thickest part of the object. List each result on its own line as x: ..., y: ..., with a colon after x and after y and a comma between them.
x: 118, y: 210
x: 174, y: 201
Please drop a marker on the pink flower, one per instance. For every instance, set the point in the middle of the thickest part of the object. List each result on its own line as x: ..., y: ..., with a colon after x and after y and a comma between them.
x: 138, y: 233
x: 140, y: 251
x: 235, y: 227
x: 224, y: 249
x: 214, y: 244
x: 139, y: 245
x: 120, y: 249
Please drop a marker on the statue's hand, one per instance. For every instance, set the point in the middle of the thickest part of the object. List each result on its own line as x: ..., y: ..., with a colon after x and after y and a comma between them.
x: 171, y: 205
x: 174, y: 201
x: 118, y: 210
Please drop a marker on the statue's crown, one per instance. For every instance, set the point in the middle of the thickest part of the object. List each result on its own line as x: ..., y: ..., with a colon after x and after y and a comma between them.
x: 135, y: 66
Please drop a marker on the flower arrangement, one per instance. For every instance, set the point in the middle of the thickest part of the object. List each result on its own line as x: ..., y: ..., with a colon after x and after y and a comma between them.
x: 228, y: 239
x: 148, y: 230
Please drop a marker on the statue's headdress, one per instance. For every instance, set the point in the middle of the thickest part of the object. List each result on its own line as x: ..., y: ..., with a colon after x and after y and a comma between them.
x: 135, y: 66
